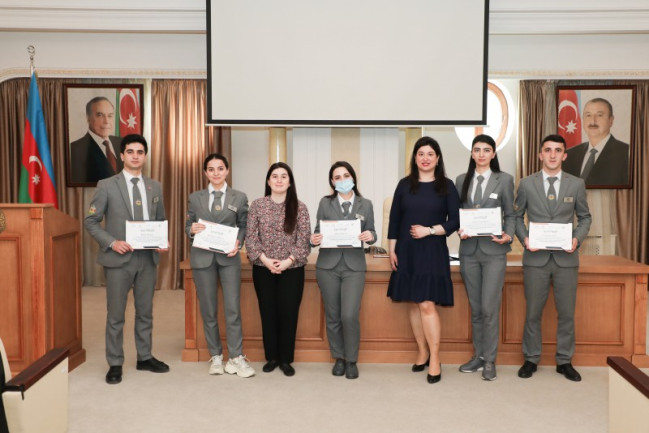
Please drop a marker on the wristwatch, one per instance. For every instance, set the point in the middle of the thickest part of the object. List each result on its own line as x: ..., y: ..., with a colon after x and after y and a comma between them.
x: 432, y: 230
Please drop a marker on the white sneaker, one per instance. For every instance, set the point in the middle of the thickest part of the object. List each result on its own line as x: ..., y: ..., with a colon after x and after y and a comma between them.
x: 239, y: 366
x: 216, y: 366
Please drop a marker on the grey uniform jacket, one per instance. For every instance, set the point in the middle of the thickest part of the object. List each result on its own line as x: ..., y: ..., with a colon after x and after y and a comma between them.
x: 111, y: 201
x: 571, y: 200
x: 329, y: 209
x: 233, y: 214
x: 499, y: 191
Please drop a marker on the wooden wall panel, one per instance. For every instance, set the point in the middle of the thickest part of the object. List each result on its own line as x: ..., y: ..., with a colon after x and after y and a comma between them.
x: 11, y: 305
x: 610, y: 317
x: 63, y: 291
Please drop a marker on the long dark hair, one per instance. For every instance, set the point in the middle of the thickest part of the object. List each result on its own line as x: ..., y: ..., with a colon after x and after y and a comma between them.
x: 440, y: 183
x: 494, y: 165
x: 351, y: 171
x: 290, y: 212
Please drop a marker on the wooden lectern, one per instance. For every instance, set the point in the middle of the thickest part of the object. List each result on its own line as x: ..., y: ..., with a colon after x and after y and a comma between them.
x: 40, y: 283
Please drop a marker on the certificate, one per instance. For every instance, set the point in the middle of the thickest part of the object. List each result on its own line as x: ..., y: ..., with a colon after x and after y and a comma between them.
x: 147, y: 235
x: 550, y: 236
x: 340, y: 234
x: 481, y: 222
x: 216, y: 237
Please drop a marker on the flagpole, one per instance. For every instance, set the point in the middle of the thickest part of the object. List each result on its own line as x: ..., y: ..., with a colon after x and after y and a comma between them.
x: 32, y: 52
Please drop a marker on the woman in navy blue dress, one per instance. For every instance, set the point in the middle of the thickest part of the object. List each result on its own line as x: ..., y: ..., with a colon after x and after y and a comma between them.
x: 425, y: 210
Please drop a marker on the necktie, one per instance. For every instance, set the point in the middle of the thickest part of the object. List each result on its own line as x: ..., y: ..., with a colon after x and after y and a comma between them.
x: 216, y: 206
x: 589, y: 164
x: 477, y: 197
x: 552, y: 193
x: 138, y: 213
x: 110, y: 156
x: 346, y: 206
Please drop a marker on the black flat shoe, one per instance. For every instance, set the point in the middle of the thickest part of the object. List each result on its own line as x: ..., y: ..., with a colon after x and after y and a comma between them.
x: 339, y: 367
x: 527, y: 370
x: 287, y: 369
x: 152, y: 365
x: 351, y: 370
x: 269, y: 366
x: 569, y: 372
x: 114, y: 375
x: 416, y: 368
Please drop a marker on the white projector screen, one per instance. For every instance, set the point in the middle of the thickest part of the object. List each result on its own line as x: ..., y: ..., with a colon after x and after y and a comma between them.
x: 347, y: 62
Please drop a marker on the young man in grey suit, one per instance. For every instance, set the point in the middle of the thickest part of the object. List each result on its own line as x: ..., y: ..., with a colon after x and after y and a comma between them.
x: 551, y: 196
x: 127, y: 196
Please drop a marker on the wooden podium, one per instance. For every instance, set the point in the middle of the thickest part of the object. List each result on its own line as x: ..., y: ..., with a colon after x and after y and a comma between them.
x: 40, y: 283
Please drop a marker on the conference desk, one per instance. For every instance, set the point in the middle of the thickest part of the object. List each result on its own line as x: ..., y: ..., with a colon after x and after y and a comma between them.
x: 610, y: 317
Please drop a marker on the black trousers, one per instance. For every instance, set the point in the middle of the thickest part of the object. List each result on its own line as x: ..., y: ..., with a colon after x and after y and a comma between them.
x: 279, y: 297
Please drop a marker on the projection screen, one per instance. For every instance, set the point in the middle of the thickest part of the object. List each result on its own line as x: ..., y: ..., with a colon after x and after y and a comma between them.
x: 347, y: 62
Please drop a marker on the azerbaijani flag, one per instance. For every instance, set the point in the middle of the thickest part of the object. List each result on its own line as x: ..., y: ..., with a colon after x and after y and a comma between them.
x: 37, y: 184
x: 128, y: 111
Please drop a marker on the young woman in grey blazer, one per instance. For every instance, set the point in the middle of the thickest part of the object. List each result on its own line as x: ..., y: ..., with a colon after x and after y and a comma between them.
x: 341, y: 271
x: 483, y: 259
x: 220, y: 204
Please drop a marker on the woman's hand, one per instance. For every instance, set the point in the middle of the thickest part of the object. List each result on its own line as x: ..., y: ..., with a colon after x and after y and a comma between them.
x: 235, y: 250
x: 418, y: 231
x: 316, y: 239
x: 462, y: 235
x: 366, y: 236
x: 503, y: 239
x: 196, y: 228
x: 394, y: 261
x: 271, y: 264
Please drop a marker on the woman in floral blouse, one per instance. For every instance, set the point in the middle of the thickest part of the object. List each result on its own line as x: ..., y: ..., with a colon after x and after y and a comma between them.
x: 277, y: 241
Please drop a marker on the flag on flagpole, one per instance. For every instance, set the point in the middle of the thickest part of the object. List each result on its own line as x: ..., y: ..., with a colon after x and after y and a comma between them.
x: 37, y: 184
x: 569, y: 118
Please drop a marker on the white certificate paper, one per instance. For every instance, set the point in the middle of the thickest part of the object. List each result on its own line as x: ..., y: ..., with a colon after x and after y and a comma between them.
x: 147, y: 235
x: 550, y: 236
x: 340, y: 234
x: 481, y: 221
x: 216, y: 237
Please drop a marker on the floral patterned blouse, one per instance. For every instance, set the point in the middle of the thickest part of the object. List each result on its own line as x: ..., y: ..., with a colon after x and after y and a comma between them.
x: 265, y: 233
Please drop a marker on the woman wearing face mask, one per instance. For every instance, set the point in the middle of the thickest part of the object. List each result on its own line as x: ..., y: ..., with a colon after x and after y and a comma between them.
x: 341, y: 271
x: 483, y: 259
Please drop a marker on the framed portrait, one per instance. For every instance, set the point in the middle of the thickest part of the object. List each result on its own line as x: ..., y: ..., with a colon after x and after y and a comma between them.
x: 97, y: 117
x: 597, y: 124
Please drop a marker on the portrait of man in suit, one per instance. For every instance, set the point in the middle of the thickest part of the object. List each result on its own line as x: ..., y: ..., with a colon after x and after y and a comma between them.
x: 95, y: 156
x: 603, y: 160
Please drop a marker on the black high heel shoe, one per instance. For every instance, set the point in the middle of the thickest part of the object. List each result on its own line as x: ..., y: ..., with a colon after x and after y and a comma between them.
x: 436, y: 378
x: 420, y: 367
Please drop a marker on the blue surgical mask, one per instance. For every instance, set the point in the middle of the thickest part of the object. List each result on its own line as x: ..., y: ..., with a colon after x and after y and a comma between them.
x: 344, y: 186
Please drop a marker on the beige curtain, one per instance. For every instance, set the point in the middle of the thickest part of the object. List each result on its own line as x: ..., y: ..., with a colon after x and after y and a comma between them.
x: 633, y: 204
x: 536, y: 120
x: 180, y: 142
x: 624, y: 212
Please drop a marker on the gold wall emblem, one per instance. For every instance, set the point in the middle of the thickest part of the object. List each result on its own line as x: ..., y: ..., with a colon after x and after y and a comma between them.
x: 3, y: 221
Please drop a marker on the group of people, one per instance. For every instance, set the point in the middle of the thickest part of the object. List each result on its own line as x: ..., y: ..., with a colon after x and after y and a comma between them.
x: 276, y: 231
